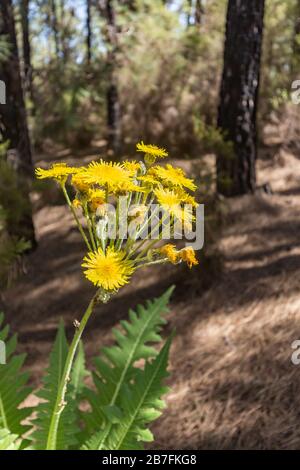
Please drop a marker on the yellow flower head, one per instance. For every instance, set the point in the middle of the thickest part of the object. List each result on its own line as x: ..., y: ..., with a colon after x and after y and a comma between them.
x: 57, y: 171
x: 173, y: 177
x: 132, y: 166
x: 108, y: 270
x: 171, y: 201
x: 188, y: 255
x: 76, y: 203
x: 96, y: 198
x: 168, y: 199
x: 170, y: 252
x: 151, y: 150
x: 106, y: 173
x: 148, y: 181
x: 79, y: 183
x: 183, y: 219
x: 187, y: 219
x: 187, y: 198
x: 128, y: 186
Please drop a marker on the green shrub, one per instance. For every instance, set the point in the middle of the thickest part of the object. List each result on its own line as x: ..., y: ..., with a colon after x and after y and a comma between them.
x: 13, y: 206
x: 212, y: 139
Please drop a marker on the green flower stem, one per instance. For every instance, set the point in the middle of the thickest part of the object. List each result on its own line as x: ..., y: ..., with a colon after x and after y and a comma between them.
x: 150, y: 263
x: 147, y: 248
x: 112, y: 241
x: 121, y: 240
x: 147, y: 221
x: 76, y: 218
x: 140, y: 245
x: 90, y: 227
x: 130, y: 242
x: 94, y: 231
x: 152, y: 243
x: 62, y: 389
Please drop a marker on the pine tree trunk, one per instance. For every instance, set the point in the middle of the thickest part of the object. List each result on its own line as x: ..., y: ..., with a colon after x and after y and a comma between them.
x: 26, y: 48
x: 63, y: 30
x: 88, y: 32
x: 54, y: 24
x: 199, y: 11
x: 113, y: 105
x: 239, y: 95
x: 13, y: 120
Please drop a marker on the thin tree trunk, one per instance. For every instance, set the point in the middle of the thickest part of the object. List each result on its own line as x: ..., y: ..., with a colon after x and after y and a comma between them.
x: 189, y: 12
x: 13, y: 120
x: 239, y: 95
x: 199, y: 11
x: 113, y: 105
x: 55, y: 27
x: 26, y: 47
x: 63, y: 31
x: 88, y: 32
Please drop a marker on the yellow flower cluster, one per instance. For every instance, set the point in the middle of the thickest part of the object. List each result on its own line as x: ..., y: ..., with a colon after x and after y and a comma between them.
x: 152, y: 152
x: 110, y: 270
x: 57, y: 171
x: 110, y: 261
x: 174, y: 256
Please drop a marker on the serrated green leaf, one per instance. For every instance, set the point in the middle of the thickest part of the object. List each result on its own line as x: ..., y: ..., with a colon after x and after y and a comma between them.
x: 115, y: 368
x: 67, y: 429
x: 145, y: 435
x: 141, y: 404
x: 13, y: 387
x: 78, y: 373
x: 113, y: 413
x: 9, y: 441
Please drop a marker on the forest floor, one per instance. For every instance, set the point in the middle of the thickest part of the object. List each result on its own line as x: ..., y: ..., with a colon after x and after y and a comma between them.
x: 233, y: 384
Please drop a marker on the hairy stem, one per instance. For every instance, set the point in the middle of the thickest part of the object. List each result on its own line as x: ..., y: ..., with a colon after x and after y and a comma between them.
x: 76, y: 218
x: 89, y: 225
x: 62, y: 389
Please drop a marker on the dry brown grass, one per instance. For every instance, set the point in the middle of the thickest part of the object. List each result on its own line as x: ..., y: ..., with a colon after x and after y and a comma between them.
x: 233, y: 383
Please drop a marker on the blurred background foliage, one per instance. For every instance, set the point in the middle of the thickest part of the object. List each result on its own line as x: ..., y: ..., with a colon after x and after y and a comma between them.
x: 167, y: 74
x: 150, y: 70
x: 12, y: 208
x: 168, y: 70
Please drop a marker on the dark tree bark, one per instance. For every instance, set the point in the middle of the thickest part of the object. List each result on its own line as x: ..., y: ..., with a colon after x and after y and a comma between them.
x: 13, y: 120
x: 199, y: 12
x: 88, y: 32
x: 54, y: 24
x: 113, y: 104
x: 26, y: 46
x: 239, y: 95
x: 28, y: 71
x: 65, y: 30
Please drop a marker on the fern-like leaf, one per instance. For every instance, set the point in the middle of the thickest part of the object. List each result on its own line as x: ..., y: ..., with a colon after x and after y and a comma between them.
x: 78, y: 373
x: 141, y: 404
x: 9, y: 441
x: 13, y: 389
x: 67, y: 430
x: 116, y: 366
